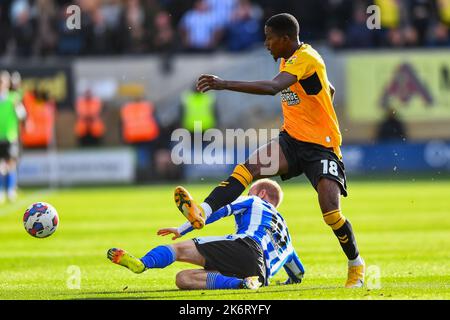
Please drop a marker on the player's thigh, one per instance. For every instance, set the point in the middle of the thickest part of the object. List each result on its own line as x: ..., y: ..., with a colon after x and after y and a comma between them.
x: 267, y: 161
x: 186, y: 251
x: 327, y: 175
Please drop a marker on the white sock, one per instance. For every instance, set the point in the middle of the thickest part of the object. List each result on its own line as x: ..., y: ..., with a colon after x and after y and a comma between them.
x: 206, y: 209
x: 356, y: 262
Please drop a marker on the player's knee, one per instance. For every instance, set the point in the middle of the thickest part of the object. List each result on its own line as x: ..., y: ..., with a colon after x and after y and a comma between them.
x: 329, y: 195
x: 184, y: 250
x: 254, y: 169
x: 179, y: 250
x: 183, y: 280
x: 329, y: 204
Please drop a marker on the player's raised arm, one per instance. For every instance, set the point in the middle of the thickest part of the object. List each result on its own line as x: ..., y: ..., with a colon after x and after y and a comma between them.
x: 283, y: 80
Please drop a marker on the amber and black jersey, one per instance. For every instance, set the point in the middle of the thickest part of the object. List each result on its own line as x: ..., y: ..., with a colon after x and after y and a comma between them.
x: 307, y: 105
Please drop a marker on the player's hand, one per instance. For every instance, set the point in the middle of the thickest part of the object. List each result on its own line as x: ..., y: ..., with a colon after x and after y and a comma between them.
x: 208, y: 82
x: 166, y: 231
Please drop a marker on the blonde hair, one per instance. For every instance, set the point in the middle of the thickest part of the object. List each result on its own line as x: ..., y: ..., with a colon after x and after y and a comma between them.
x: 272, y: 188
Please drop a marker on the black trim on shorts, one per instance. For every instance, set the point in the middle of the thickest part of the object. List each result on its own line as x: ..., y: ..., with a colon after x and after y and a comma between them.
x: 308, y: 158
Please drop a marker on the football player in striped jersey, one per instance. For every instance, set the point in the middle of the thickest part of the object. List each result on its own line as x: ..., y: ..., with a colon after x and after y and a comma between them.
x: 259, y: 248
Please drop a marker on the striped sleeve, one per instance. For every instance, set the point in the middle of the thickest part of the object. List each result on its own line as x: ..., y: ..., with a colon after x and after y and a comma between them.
x: 219, y: 214
x: 236, y: 207
x: 294, y: 268
x: 242, y: 203
x: 222, y: 212
x: 185, y: 228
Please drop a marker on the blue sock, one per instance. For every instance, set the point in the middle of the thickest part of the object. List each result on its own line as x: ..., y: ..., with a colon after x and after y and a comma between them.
x: 215, y: 280
x: 159, y: 257
x: 11, y: 180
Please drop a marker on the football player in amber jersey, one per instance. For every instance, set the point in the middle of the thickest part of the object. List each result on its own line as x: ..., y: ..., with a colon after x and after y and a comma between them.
x: 309, y: 141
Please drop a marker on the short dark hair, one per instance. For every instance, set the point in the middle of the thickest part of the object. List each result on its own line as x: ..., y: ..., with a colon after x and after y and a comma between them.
x: 284, y: 24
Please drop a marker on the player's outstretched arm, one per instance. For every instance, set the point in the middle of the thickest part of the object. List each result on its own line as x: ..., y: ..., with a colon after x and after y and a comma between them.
x: 283, y: 80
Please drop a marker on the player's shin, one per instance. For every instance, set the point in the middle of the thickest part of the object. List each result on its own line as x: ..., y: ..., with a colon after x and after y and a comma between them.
x: 159, y: 257
x: 342, y: 228
x: 231, y: 189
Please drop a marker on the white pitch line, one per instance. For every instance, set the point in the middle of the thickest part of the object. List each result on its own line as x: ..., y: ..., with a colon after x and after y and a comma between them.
x: 23, y: 203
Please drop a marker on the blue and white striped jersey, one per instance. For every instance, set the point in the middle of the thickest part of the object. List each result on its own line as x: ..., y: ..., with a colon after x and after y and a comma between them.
x: 260, y: 220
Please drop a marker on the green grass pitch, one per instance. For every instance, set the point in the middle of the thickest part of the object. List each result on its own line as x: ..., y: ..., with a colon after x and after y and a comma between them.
x: 403, y: 231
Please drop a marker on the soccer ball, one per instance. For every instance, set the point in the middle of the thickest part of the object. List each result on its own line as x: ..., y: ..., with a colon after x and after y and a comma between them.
x: 40, y: 220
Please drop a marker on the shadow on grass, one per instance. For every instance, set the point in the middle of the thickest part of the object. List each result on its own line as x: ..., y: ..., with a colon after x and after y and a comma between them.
x: 192, y: 294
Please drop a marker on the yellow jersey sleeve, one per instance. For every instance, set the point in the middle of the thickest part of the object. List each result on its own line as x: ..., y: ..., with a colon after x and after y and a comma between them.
x: 297, y: 65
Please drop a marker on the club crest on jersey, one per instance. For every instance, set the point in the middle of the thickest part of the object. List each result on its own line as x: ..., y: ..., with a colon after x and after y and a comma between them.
x: 292, y: 59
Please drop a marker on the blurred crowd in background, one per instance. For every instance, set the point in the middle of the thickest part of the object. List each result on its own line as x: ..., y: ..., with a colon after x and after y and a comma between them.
x: 111, y: 27
x: 111, y: 109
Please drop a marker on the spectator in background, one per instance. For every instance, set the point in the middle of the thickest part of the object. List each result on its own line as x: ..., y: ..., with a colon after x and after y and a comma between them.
x: 177, y: 9
x: 38, y: 27
x: 420, y: 14
x: 152, y: 9
x: 98, y: 41
x: 391, y: 129
x: 164, y: 38
x: 103, y: 27
x: 22, y: 27
x: 198, y: 107
x: 46, y: 25
x: 140, y: 128
x: 71, y: 42
x: 112, y: 11
x: 311, y: 15
x: 200, y: 30
x: 89, y: 126
x: 222, y: 10
x: 357, y: 33
x: 38, y: 129
x: 440, y: 31
x: 135, y: 37
x: 393, y: 23
x: 165, y: 168
x: 244, y: 29
x: 5, y: 26
x: 339, y: 13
